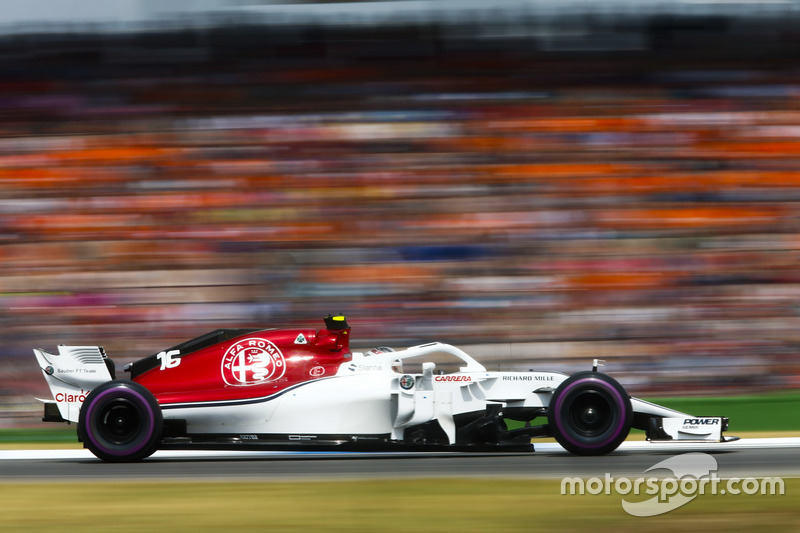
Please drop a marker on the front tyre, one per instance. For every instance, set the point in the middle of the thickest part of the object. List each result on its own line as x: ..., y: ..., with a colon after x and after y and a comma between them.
x: 120, y: 421
x: 590, y: 414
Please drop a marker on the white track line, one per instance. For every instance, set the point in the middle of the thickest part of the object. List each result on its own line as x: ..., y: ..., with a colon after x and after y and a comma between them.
x: 684, y: 446
x: 541, y: 448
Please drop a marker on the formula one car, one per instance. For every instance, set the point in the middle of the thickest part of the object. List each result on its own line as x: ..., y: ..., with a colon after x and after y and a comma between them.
x: 305, y: 389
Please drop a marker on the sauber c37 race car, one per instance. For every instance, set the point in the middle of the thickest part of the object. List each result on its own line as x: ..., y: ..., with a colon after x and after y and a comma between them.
x: 305, y: 389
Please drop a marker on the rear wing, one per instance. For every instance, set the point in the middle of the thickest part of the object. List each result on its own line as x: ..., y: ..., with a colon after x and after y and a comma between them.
x: 71, y: 375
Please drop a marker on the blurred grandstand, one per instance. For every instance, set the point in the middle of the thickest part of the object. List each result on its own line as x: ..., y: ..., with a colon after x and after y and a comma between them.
x: 542, y: 184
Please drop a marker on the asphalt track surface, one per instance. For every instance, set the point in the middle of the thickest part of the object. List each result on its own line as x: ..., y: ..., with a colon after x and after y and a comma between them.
x: 744, y: 458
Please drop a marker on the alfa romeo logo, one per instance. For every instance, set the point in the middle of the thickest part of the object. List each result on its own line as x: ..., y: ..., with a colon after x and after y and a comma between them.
x: 252, y: 361
x: 407, y: 382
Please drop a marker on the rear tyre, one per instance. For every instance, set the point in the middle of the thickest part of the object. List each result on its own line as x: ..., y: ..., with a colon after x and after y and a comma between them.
x: 590, y: 414
x: 120, y: 421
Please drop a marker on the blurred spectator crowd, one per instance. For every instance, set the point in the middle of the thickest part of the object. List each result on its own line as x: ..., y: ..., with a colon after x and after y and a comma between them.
x: 538, y: 210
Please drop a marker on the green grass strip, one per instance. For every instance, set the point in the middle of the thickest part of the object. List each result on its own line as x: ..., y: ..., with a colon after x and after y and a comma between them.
x: 419, y: 505
x: 771, y: 412
x: 57, y: 434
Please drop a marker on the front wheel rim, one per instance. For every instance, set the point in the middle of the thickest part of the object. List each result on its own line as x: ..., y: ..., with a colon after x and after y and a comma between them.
x: 591, y: 414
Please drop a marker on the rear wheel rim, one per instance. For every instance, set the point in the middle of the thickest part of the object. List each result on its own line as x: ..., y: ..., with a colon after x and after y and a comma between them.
x: 119, y: 422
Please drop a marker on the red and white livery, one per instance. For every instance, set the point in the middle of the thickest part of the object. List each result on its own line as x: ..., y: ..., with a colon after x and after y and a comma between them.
x: 305, y: 389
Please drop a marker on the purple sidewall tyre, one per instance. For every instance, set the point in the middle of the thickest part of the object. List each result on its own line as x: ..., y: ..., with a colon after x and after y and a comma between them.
x: 590, y: 414
x: 120, y: 421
